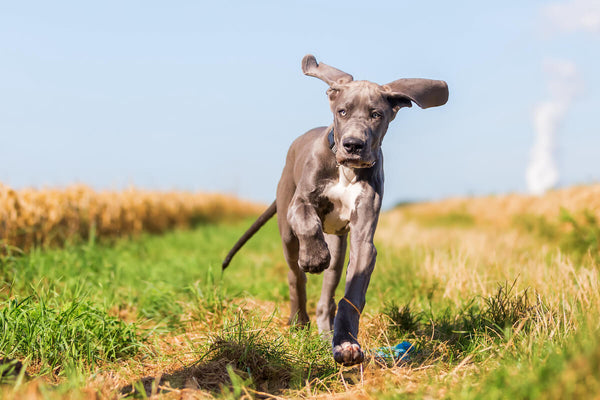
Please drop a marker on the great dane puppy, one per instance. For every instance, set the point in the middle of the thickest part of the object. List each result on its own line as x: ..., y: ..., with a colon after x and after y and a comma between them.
x: 332, y: 185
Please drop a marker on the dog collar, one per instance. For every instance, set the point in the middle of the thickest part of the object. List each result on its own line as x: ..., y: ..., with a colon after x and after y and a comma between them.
x: 331, y: 139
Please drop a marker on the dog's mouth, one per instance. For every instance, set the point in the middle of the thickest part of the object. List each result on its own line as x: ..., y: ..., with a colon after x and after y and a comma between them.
x: 357, y: 162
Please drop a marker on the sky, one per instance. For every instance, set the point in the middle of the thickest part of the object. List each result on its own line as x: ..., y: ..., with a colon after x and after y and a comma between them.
x: 208, y: 96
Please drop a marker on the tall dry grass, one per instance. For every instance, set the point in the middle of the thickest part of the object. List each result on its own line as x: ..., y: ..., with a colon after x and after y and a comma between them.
x: 499, y: 210
x: 32, y: 217
x: 471, y: 258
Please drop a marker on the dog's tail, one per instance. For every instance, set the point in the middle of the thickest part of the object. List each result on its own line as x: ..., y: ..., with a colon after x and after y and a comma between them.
x: 250, y: 232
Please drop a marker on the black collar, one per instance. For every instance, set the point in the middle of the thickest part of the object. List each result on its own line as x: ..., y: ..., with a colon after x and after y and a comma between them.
x: 331, y: 139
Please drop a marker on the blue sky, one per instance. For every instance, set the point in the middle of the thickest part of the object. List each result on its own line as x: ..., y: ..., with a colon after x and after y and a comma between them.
x: 209, y: 95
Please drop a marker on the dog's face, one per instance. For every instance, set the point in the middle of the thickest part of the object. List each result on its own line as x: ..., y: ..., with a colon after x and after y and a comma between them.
x: 362, y: 111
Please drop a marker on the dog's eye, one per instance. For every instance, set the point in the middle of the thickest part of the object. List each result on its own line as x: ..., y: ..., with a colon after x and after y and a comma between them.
x: 342, y: 112
x: 375, y: 115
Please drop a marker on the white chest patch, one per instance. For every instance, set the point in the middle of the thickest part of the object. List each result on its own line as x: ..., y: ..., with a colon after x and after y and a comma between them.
x: 343, y: 195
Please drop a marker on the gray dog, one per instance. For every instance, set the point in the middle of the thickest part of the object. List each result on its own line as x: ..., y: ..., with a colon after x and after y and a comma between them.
x: 332, y: 184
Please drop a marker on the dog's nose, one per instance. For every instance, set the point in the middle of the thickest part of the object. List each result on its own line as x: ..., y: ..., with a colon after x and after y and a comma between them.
x: 353, y: 145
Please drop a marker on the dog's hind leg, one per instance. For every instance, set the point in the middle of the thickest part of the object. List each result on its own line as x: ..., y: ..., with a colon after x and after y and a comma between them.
x: 297, y: 284
x: 331, y: 278
x: 296, y: 280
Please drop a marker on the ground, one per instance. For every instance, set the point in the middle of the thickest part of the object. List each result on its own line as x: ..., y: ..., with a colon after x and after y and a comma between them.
x: 499, y: 296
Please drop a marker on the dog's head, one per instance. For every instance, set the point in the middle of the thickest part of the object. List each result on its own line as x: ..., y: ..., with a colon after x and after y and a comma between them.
x: 362, y: 110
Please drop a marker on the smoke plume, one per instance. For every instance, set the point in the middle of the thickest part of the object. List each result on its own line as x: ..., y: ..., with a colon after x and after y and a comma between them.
x: 563, y: 85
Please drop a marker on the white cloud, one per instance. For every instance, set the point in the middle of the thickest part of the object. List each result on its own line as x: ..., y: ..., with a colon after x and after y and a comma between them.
x: 574, y: 15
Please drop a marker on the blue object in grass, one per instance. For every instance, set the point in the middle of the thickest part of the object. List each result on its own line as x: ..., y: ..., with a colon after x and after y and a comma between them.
x: 398, y: 352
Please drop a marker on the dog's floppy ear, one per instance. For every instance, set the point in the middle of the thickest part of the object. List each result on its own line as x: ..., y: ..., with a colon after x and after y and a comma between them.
x: 324, y: 72
x: 423, y: 92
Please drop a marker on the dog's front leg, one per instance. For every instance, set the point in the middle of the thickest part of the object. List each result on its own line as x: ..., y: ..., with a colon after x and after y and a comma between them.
x: 346, y: 349
x: 313, y: 253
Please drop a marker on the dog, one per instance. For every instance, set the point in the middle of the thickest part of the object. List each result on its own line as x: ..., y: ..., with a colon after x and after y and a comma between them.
x: 332, y: 185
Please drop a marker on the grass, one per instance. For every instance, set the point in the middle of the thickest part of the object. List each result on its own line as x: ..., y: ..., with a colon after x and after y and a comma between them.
x: 493, y: 310
x: 249, y: 354
x: 577, y: 235
x: 583, y: 237
x: 459, y: 218
x: 76, y: 335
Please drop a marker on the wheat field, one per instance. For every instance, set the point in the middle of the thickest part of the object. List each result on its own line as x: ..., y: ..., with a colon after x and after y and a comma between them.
x: 32, y: 217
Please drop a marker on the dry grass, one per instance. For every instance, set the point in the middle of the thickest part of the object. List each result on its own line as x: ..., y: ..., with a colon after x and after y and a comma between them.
x: 473, y: 259
x: 499, y: 210
x: 31, y: 217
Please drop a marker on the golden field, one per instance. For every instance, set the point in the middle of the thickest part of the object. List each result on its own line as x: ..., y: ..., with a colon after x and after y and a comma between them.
x: 32, y: 217
x: 500, y: 210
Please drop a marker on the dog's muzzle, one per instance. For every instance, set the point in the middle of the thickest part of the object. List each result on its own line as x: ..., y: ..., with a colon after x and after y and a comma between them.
x: 353, y: 147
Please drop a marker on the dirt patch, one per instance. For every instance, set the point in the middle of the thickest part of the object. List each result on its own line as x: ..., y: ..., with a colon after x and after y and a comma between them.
x: 233, y: 361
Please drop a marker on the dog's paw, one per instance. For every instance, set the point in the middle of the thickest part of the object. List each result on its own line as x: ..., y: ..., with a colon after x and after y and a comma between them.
x: 348, y: 354
x: 314, y: 258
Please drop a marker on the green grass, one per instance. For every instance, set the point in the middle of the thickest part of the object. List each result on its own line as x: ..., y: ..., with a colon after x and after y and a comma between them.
x: 75, y: 335
x: 576, y: 234
x: 135, y: 307
x: 157, y: 275
x: 570, y: 371
x: 583, y: 238
x: 270, y: 361
x: 455, y: 218
x: 479, y: 323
